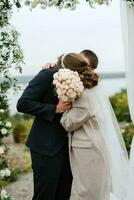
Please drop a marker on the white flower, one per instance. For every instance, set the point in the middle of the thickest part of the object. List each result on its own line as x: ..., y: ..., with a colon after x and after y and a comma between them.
x: 4, y: 131
x: 64, y: 98
x: 0, y: 122
x: 2, y: 150
x: 55, y: 82
x: 65, y: 86
x: 8, y: 124
x: 4, y: 51
x: 2, y: 173
x: 7, y: 172
x: 73, y: 95
x: 1, y: 110
x: 3, y: 194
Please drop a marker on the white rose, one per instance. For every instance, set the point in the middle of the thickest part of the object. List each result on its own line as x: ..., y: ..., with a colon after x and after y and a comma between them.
x: 3, y: 194
x: 73, y: 95
x: 72, y: 85
x: 8, y: 124
x: 68, y: 81
x: 65, y: 86
x: 1, y: 110
x: 59, y: 91
x: 55, y: 82
x: 58, y: 84
x: 4, y: 131
x: 64, y: 98
x: 63, y: 92
x: 7, y: 172
x: 55, y: 76
x: 69, y: 92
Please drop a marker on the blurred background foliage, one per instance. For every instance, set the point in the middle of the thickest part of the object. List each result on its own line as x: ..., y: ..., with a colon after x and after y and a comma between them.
x: 119, y: 103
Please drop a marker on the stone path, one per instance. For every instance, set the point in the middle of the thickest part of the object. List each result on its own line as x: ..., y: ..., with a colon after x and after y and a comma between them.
x: 22, y: 189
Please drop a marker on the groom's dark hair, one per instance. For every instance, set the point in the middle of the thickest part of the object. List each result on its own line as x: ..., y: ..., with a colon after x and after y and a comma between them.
x: 92, y: 57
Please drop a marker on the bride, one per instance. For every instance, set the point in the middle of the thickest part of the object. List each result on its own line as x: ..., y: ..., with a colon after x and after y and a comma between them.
x: 98, y: 155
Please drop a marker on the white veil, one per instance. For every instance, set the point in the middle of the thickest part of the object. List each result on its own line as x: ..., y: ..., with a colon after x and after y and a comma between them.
x: 118, y: 157
x: 130, y: 189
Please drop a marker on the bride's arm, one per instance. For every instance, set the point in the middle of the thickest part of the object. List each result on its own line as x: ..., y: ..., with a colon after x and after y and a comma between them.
x: 74, y: 118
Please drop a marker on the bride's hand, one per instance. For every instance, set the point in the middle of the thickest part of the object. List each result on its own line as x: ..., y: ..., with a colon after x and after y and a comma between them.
x: 63, y: 106
x: 49, y: 65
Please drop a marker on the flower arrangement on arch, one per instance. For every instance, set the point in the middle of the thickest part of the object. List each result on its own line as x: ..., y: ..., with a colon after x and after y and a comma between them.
x: 70, y: 4
x: 130, y: 3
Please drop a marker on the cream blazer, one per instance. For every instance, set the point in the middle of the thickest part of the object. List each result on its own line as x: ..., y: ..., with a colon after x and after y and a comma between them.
x: 88, y: 151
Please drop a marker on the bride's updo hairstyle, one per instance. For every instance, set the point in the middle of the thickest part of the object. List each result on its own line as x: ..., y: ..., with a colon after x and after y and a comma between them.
x: 76, y: 62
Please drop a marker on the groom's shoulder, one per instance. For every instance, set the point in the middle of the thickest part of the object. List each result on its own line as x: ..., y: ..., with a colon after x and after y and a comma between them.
x: 46, y: 73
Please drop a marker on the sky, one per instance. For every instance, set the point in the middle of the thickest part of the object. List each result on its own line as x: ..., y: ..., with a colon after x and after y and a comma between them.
x: 46, y: 34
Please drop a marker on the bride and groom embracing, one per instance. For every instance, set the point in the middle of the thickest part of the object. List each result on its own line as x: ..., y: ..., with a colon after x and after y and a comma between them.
x: 93, y: 165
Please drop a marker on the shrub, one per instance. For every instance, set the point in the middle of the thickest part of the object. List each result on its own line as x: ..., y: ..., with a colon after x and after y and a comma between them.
x: 128, y: 133
x: 19, y: 161
x: 19, y: 118
x: 21, y: 131
x: 119, y: 103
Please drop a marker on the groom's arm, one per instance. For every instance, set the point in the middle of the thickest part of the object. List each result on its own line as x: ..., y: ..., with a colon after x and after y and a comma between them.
x: 30, y: 103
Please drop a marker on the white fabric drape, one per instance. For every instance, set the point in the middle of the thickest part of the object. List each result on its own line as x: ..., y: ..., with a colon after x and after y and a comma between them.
x: 127, y: 19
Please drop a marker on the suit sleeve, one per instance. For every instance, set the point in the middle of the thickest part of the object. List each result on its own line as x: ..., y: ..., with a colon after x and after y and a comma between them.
x: 30, y: 101
x: 76, y: 116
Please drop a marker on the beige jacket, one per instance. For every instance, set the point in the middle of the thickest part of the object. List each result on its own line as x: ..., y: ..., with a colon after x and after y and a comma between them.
x: 88, y: 152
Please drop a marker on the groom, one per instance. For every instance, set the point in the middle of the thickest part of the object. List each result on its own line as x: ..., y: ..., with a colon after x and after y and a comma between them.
x: 48, y: 141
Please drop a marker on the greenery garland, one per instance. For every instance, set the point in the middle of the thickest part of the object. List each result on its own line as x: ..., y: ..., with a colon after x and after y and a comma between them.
x: 11, y: 56
x: 70, y: 4
x: 130, y: 3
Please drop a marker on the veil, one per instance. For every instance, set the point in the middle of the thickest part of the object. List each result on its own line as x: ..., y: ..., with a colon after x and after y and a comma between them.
x: 118, y: 157
x: 130, y: 189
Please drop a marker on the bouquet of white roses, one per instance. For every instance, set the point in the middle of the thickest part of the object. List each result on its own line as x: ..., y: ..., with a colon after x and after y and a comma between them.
x: 68, y: 85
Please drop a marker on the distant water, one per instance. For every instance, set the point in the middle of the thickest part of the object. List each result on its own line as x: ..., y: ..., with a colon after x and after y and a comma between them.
x: 111, y: 86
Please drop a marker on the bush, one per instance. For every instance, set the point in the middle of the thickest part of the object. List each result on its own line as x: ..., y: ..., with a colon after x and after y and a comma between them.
x: 19, y: 162
x: 128, y: 133
x: 21, y: 131
x: 19, y: 118
x: 119, y: 103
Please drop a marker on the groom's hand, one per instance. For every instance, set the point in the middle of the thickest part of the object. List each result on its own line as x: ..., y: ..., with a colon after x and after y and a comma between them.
x: 63, y: 106
x: 49, y: 65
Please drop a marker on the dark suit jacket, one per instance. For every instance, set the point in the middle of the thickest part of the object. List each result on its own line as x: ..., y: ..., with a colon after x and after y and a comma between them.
x: 47, y: 136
